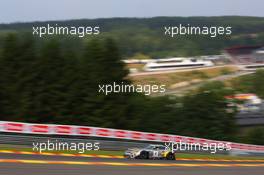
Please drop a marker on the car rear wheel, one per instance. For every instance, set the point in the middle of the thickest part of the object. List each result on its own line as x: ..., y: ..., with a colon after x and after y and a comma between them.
x: 144, y: 155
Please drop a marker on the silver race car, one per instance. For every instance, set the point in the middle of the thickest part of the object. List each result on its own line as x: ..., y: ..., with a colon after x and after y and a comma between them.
x: 150, y: 152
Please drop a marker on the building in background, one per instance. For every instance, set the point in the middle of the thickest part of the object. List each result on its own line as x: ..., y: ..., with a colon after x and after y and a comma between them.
x: 259, y: 55
x: 246, y: 102
x: 245, y: 54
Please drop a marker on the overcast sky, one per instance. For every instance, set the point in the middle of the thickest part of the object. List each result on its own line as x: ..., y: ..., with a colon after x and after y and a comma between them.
x: 41, y: 10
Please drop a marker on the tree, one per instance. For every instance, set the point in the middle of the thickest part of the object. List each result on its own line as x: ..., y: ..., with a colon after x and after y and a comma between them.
x: 18, y: 77
x: 9, y: 70
x: 258, y: 83
x: 26, y: 77
x: 112, y: 62
x: 251, y: 83
x: 205, y: 114
x: 49, y: 88
x: 256, y: 136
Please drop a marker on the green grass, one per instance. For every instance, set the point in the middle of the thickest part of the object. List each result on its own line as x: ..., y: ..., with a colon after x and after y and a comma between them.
x: 189, y: 76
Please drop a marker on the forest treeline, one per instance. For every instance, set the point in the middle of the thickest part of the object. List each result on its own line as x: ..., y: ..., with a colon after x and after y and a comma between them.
x: 146, y: 35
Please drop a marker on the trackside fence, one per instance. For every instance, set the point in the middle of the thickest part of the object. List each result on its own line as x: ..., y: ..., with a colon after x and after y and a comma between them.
x: 125, y: 136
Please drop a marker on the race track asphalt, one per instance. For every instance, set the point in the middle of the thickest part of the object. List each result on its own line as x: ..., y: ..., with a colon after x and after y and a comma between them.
x: 60, y: 165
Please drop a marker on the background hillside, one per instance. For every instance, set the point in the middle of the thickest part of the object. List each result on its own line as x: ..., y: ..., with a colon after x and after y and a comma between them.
x: 146, y: 35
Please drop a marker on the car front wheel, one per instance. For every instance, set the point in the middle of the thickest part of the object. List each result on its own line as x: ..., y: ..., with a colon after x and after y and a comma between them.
x: 170, y: 156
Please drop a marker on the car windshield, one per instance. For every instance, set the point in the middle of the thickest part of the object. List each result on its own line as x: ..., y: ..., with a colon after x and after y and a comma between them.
x: 150, y: 147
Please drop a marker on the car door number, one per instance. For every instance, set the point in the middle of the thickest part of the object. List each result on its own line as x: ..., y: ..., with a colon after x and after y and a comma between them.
x: 155, y: 154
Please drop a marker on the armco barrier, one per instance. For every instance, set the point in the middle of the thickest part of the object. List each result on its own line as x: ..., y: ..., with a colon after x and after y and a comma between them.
x: 52, y: 129
x: 26, y: 141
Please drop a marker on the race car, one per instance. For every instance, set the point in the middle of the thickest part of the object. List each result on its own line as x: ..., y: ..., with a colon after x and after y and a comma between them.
x: 150, y: 152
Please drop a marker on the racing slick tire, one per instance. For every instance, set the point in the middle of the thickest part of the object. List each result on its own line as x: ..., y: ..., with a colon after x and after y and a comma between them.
x: 144, y: 155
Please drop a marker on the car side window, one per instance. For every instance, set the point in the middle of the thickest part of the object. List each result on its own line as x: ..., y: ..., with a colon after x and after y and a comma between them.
x: 160, y: 147
x: 155, y: 148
